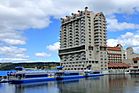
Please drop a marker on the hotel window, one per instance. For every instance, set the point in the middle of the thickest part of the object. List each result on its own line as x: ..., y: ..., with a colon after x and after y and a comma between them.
x: 135, y: 62
x: 135, y: 66
x: 96, y: 61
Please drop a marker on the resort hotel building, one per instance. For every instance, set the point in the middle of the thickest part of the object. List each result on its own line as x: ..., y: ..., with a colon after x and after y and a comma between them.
x: 83, y: 41
x: 116, y: 59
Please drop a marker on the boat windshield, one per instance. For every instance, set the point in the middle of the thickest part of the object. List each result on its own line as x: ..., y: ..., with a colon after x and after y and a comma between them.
x: 19, y: 68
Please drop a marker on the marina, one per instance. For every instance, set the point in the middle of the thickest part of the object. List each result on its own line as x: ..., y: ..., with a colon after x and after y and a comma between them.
x: 23, y: 75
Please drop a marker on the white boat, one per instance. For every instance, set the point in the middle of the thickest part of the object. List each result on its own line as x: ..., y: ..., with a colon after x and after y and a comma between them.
x: 132, y: 71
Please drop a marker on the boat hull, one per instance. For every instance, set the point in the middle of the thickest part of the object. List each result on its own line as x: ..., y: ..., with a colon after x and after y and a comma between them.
x: 134, y: 73
x: 78, y: 76
x: 3, y: 81
x: 31, y: 80
x: 94, y: 75
x: 69, y: 77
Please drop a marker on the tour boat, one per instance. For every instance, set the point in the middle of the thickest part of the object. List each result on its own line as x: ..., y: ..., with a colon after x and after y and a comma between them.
x: 24, y: 76
x: 89, y: 73
x: 68, y: 75
x: 132, y: 71
x: 62, y: 75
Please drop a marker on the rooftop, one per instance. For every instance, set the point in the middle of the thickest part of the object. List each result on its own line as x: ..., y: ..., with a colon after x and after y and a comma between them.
x: 135, y: 59
x: 114, y: 48
x: 115, y: 65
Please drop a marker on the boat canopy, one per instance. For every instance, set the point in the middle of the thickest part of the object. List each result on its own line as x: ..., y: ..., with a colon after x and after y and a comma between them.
x: 19, y: 68
x: 60, y: 67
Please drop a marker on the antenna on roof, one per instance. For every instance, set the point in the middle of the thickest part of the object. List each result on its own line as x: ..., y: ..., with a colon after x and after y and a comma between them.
x: 86, y: 8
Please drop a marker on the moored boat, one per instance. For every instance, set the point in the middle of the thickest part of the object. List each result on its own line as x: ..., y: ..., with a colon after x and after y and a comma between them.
x: 89, y: 73
x: 3, y: 80
x: 68, y: 75
x: 62, y: 75
x: 132, y: 71
x: 24, y: 76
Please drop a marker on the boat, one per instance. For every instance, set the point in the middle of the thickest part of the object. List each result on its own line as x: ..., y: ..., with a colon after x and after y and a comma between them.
x: 29, y: 76
x: 90, y: 73
x: 3, y: 79
x: 68, y: 75
x: 62, y: 75
x: 74, y: 74
x: 132, y: 71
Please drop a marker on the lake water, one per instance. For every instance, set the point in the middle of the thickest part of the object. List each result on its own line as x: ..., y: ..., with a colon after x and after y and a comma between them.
x: 104, y: 84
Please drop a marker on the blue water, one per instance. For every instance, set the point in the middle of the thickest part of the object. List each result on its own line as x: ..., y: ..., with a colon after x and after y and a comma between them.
x: 104, y: 84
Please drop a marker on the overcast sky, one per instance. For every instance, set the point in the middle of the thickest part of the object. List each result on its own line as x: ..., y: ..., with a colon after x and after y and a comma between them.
x: 29, y: 29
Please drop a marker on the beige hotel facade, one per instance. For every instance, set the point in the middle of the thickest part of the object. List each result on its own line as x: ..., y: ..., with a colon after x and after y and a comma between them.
x: 83, y: 41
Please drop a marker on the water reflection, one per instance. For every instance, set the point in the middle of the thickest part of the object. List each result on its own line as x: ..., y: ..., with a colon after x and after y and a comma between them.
x: 105, y: 84
x: 83, y: 86
x: 43, y: 87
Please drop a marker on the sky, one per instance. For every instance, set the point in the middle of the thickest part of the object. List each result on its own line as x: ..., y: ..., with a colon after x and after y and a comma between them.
x: 29, y: 29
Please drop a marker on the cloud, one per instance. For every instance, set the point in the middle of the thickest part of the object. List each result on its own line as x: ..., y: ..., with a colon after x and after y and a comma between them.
x: 11, y: 37
x: 14, y: 60
x: 54, y: 47
x: 136, y: 49
x: 129, y: 39
x: 112, y: 42
x: 12, y: 54
x: 114, y: 25
x: 114, y: 6
x: 42, y: 55
x: 14, y: 42
x: 17, y: 17
x: 34, y: 14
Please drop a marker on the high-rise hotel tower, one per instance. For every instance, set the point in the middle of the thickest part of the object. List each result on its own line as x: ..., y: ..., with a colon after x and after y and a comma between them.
x: 83, y: 41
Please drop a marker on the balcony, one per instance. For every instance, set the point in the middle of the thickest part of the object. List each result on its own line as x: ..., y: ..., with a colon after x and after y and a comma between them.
x: 97, y: 33
x: 82, y: 21
x: 97, y: 19
x: 98, y: 38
